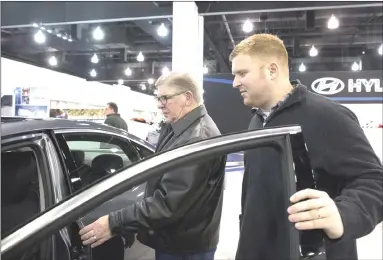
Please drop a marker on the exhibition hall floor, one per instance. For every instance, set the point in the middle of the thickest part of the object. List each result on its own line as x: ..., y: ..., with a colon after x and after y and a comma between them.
x: 369, y: 247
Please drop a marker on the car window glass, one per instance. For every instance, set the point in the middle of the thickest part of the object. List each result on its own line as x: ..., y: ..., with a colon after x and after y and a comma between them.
x: 144, y: 151
x: 96, y: 156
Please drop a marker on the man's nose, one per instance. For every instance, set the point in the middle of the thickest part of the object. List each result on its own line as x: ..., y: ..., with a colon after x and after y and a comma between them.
x: 236, y: 83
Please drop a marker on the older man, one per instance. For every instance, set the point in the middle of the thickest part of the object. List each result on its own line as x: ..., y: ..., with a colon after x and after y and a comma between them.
x: 180, y: 214
x: 349, y: 176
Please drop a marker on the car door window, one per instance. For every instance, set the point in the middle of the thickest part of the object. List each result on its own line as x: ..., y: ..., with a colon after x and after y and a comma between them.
x: 96, y: 156
x: 20, y: 190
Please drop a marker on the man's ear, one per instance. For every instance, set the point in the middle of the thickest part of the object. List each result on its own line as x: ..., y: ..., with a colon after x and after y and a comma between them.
x: 273, y: 70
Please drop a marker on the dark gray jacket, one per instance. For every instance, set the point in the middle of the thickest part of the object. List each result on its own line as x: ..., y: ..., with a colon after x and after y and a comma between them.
x: 181, y: 211
x: 115, y: 120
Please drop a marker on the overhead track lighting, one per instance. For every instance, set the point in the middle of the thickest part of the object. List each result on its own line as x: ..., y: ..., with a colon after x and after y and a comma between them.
x: 52, y: 61
x: 128, y: 72
x: 98, y: 34
x: 140, y: 57
x: 313, y: 51
x: 162, y: 30
x: 143, y: 86
x: 165, y: 70
x: 93, y: 73
x: 120, y: 82
x: 302, y: 68
x: 94, y: 59
x: 355, y: 66
x: 247, y: 26
x: 333, y: 22
x: 39, y: 37
x: 150, y: 81
x: 380, y: 50
x: 35, y: 25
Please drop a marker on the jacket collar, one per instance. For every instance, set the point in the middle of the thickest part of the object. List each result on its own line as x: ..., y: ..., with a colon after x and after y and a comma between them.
x: 114, y: 114
x: 184, y: 123
x: 297, y: 95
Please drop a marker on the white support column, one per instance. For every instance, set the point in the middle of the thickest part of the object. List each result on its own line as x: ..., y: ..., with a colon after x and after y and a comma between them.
x: 188, y: 31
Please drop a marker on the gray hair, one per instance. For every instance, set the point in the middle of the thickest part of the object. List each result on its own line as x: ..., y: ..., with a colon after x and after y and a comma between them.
x: 182, y: 82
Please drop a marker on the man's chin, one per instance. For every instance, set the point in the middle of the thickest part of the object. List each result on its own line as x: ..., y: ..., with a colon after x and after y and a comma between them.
x: 247, y: 102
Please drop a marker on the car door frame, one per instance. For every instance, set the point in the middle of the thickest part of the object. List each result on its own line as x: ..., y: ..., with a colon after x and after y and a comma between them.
x: 76, y: 206
x: 47, y: 170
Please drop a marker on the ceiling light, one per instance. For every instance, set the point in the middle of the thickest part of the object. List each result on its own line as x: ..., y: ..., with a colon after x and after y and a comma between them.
x: 52, y: 61
x: 120, y: 81
x: 355, y: 66
x: 162, y: 30
x: 65, y: 37
x: 39, y: 37
x: 313, y: 51
x: 98, y: 34
x: 128, y: 72
x: 93, y: 73
x: 42, y: 28
x: 94, y: 59
x: 35, y: 25
x: 70, y: 39
x: 150, y: 81
x: 302, y: 68
x: 59, y: 35
x: 155, y: 92
x: 205, y: 70
x: 49, y: 31
x: 380, y: 50
x: 247, y: 26
x: 140, y: 57
x: 143, y: 86
x: 333, y: 23
x: 165, y: 70
x: 363, y: 52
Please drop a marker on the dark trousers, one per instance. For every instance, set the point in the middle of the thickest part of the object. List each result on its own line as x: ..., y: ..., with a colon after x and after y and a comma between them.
x: 208, y: 255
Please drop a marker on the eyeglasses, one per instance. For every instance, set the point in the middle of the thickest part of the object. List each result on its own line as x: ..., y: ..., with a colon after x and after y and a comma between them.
x: 164, y: 98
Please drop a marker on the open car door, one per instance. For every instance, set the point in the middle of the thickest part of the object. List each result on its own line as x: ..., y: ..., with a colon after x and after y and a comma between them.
x: 296, y: 174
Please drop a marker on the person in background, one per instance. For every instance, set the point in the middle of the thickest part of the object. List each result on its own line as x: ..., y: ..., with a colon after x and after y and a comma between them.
x: 348, y: 203
x: 113, y: 118
x: 180, y: 214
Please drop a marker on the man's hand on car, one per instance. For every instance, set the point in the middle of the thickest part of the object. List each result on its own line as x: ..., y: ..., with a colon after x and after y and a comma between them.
x: 96, y: 233
x: 314, y: 209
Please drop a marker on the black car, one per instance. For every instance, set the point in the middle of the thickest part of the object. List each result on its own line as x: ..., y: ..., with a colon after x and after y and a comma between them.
x: 45, y: 172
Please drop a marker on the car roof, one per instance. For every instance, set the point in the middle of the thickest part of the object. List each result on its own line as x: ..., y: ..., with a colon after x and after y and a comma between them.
x: 17, y: 125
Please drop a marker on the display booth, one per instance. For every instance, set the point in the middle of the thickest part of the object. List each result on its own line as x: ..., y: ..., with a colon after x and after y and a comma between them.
x: 361, y: 92
x: 36, y: 92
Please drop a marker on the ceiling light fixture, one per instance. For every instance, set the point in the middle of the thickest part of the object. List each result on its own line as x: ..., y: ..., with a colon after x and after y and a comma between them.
x: 70, y: 39
x: 128, y: 72
x: 205, y: 70
x: 150, y: 81
x: 162, y: 30
x: 143, y: 86
x: 313, y: 51
x: 93, y: 73
x: 98, y: 34
x: 302, y: 68
x: 65, y: 37
x: 247, y: 26
x: 355, y: 66
x: 40, y: 37
x: 140, y: 57
x: 52, y: 61
x: 35, y: 25
x: 165, y: 70
x: 94, y: 59
x: 333, y: 23
x: 120, y: 82
x: 380, y: 50
x: 49, y: 31
x: 59, y: 35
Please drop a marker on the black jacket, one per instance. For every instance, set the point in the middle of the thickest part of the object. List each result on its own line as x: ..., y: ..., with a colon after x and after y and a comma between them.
x: 345, y: 166
x: 181, y: 210
x: 115, y: 120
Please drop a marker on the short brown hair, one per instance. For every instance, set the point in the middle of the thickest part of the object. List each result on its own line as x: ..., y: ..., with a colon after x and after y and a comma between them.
x: 182, y: 82
x: 263, y: 45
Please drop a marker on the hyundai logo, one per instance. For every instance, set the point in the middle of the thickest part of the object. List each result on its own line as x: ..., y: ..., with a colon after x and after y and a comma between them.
x: 327, y: 86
